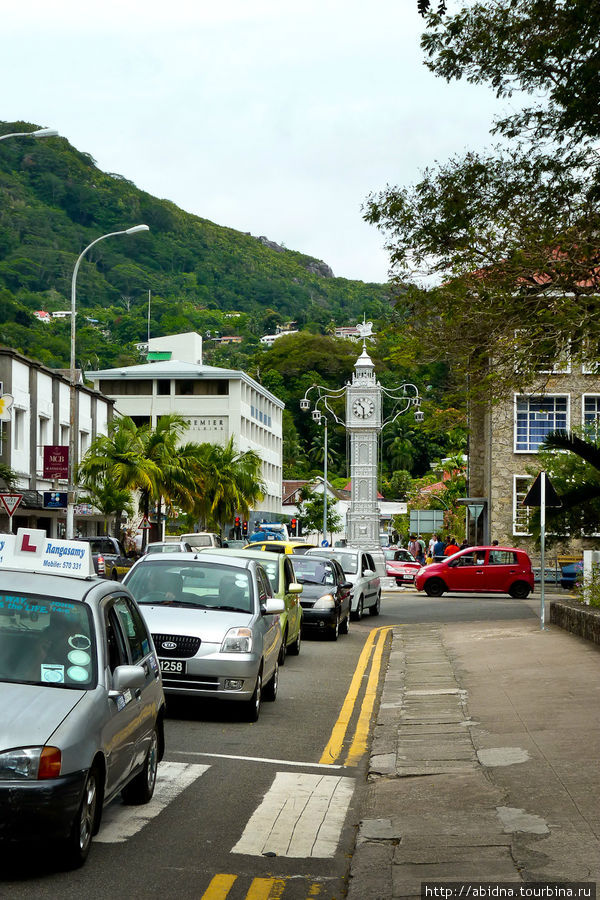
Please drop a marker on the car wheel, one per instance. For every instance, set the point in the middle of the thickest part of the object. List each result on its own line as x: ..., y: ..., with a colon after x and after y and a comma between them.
x: 140, y: 789
x: 434, y: 587
x: 270, y: 692
x: 376, y: 608
x: 334, y: 630
x: 283, y: 649
x: 294, y: 649
x: 345, y: 625
x: 519, y: 590
x: 358, y: 613
x: 77, y: 845
x: 252, y: 706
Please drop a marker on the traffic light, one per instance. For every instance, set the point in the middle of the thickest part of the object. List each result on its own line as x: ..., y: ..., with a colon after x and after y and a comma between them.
x: 237, y: 521
x: 236, y: 527
x: 245, y: 529
x: 294, y: 526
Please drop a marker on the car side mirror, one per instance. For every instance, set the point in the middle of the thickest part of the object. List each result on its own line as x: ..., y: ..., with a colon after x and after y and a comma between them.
x: 272, y: 607
x: 126, y: 678
x: 368, y: 573
x: 347, y: 585
x: 295, y: 588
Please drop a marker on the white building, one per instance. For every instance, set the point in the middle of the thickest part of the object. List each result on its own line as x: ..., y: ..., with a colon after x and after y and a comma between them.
x: 269, y: 339
x: 39, y: 417
x: 217, y: 403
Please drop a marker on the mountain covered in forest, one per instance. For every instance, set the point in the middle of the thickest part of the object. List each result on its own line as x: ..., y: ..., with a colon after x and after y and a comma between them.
x: 54, y: 201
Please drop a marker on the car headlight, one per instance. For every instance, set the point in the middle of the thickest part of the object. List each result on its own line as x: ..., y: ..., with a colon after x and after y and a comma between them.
x: 30, y: 763
x: 237, y: 640
x: 325, y: 602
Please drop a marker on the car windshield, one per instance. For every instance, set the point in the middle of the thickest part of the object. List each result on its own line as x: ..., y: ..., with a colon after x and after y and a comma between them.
x: 202, y: 585
x: 399, y: 556
x: 348, y: 561
x: 310, y: 570
x: 46, y: 641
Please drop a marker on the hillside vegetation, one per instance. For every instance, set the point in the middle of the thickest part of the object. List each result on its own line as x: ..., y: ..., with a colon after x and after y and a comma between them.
x: 54, y: 201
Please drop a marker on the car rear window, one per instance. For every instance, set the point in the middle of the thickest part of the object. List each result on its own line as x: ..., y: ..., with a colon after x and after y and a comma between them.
x: 348, y: 561
x: 46, y: 641
x: 311, y: 570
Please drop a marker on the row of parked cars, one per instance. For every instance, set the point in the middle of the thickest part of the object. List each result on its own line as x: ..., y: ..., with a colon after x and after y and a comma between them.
x: 85, y: 662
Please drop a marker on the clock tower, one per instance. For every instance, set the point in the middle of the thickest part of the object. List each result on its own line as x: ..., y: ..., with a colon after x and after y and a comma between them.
x: 363, y: 423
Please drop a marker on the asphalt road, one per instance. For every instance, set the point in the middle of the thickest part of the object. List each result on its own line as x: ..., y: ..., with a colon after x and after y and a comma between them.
x: 263, y: 811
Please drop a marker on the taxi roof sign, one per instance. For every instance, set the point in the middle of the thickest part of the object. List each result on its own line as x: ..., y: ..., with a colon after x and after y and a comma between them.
x: 32, y: 550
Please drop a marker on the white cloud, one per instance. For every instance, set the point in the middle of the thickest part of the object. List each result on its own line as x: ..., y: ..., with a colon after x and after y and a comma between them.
x: 271, y: 117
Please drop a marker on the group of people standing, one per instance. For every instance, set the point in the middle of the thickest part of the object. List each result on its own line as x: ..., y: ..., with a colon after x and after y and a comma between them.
x: 436, y: 550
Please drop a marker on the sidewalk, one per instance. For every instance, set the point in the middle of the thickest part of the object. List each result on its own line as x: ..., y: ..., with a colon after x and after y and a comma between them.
x: 485, y: 760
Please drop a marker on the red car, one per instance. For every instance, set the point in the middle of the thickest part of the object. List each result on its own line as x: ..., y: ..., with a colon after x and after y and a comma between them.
x: 401, y: 565
x: 503, y: 570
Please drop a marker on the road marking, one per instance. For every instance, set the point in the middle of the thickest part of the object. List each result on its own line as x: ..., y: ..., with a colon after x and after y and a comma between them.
x: 359, y: 745
x: 260, y: 888
x: 266, y: 889
x: 260, y: 759
x: 300, y: 816
x: 335, y: 745
x: 219, y: 887
x: 120, y: 822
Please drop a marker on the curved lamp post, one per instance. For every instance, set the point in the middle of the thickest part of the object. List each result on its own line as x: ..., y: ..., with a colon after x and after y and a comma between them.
x: 73, y: 377
x: 40, y: 132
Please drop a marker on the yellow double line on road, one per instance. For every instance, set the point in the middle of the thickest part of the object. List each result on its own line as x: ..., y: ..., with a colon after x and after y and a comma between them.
x: 260, y: 889
x: 371, y: 652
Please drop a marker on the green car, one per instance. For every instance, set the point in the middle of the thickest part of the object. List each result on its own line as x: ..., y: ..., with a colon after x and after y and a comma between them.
x: 280, y: 569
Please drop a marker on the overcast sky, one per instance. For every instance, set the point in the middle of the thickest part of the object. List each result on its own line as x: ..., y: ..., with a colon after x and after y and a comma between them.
x: 276, y: 117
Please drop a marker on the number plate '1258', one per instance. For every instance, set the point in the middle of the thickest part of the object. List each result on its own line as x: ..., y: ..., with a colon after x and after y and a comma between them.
x: 174, y: 666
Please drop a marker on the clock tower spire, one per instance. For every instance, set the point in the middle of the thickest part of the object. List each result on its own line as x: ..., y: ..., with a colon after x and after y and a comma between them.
x: 363, y: 422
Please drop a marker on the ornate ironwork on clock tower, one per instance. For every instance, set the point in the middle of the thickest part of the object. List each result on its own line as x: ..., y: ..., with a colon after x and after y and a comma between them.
x: 364, y: 423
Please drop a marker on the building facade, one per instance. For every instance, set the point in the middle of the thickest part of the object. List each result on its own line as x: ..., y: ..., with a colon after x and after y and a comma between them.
x: 217, y: 403
x: 39, y: 417
x: 504, y: 442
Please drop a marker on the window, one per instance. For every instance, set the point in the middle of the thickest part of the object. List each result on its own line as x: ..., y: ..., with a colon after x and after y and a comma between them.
x: 522, y: 483
x: 117, y: 652
x: 134, y: 629
x: 591, y: 414
x: 502, y: 558
x: 536, y: 417
x: 19, y: 429
x: 163, y: 387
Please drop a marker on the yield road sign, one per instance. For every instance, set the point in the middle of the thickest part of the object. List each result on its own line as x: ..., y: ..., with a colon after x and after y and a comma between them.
x: 10, y: 502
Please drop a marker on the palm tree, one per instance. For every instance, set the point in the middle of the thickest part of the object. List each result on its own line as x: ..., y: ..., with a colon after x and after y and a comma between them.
x: 232, y: 483
x: 119, y: 457
x: 587, y: 450
x: 399, y: 447
x: 110, y: 500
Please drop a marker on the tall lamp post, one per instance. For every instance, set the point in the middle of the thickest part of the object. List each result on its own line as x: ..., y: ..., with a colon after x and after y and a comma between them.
x: 38, y: 133
x: 322, y: 420
x: 73, y: 377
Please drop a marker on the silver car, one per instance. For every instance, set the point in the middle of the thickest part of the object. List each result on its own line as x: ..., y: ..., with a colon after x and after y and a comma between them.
x: 81, y: 698
x: 359, y: 568
x: 215, y: 625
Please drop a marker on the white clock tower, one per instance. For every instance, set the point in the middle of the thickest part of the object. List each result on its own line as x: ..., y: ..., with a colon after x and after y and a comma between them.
x: 363, y: 423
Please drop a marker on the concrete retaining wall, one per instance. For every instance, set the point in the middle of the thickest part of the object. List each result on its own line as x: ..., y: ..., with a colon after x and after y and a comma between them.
x: 572, y: 616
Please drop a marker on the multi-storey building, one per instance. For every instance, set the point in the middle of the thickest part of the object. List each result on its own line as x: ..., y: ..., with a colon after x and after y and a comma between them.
x: 40, y: 417
x: 217, y: 403
x: 504, y: 442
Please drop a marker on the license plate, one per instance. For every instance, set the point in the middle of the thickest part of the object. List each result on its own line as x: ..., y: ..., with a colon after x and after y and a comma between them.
x: 172, y: 666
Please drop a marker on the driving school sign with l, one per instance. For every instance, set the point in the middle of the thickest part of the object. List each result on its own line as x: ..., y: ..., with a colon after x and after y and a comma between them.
x: 32, y: 550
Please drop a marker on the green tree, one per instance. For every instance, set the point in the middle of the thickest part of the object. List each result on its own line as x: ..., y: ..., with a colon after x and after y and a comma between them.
x: 310, y: 513
x: 506, y: 234
x: 9, y: 478
x: 232, y: 484
x: 108, y: 499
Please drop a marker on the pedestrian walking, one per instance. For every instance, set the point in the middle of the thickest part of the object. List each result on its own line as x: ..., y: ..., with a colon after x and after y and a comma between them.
x: 414, y: 547
x: 451, y: 547
x: 438, y: 550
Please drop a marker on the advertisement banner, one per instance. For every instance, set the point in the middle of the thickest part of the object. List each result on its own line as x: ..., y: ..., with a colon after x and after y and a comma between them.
x: 56, y: 461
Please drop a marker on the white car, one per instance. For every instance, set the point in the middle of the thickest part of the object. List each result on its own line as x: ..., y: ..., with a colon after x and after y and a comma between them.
x: 359, y: 568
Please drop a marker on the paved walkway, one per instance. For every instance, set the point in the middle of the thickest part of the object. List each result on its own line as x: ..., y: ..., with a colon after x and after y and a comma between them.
x: 485, y: 760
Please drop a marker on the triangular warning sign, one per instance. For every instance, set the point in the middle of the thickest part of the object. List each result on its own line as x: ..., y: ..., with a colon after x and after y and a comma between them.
x: 10, y: 502
x: 534, y: 495
x: 145, y: 523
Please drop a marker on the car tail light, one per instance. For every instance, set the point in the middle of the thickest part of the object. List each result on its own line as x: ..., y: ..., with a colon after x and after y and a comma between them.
x: 101, y: 565
x: 50, y: 763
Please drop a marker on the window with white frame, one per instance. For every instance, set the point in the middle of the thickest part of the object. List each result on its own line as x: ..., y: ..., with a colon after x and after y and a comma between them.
x: 19, y: 429
x: 521, y: 486
x: 536, y: 417
x: 591, y: 414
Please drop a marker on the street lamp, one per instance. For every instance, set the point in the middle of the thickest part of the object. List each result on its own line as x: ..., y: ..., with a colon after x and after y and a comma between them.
x: 73, y: 393
x: 40, y: 132
x: 322, y: 420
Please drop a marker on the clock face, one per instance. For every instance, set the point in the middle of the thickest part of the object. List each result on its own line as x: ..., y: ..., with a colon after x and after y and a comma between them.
x: 363, y: 407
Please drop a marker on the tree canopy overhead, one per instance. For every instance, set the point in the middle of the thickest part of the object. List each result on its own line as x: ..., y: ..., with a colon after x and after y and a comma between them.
x: 509, y: 236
